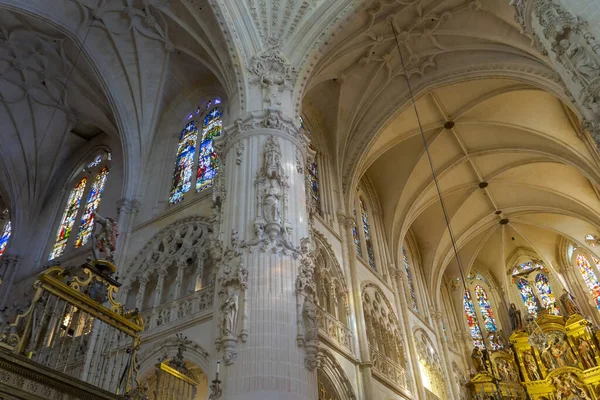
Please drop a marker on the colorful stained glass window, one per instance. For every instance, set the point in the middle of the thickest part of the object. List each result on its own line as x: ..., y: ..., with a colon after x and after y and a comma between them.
x: 589, y: 276
x: 546, y: 296
x: 207, y: 160
x: 186, y: 149
x: 528, y: 297
x: 93, y: 201
x: 4, y: 238
x: 409, y: 279
x: 485, y: 309
x: 355, y: 236
x: 312, y: 175
x: 68, y: 219
x: 472, y: 320
x: 367, y: 232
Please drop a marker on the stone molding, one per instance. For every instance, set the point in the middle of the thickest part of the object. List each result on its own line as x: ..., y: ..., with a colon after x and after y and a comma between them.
x: 332, y: 369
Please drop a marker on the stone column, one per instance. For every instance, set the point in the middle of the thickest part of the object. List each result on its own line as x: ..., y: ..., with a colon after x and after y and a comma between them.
x: 359, y: 328
x: 197, y: 281
x: 127, y: 209
x: 179, y: 279
x: 413, y: 361
x: 139, y: 299
x: 8, y: 266
x: 160, y: 284
x: 443, y: 346
x: 564, y: 30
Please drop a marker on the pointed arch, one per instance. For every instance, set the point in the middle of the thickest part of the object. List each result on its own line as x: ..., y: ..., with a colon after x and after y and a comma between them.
x: 330, y: 369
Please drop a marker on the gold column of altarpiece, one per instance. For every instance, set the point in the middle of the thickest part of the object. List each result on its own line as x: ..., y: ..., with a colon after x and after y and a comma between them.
x: 75, y: 326
x: 565, y: 366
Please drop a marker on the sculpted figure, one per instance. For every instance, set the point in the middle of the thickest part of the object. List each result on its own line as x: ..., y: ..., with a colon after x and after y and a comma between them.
x: 309, y: 312
x: 229, y: 311
x: 271, y: 202
x: 516, y: 323
x: 586, y: 353
x: 477, y: 358
x: 568, y: 302
x: 581, y: 61
x: 557, y: 351
x: 531, y: 366
x: 106, y: 238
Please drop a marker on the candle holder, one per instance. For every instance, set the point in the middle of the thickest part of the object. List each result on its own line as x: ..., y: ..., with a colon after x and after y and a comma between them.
x: 215, y: 388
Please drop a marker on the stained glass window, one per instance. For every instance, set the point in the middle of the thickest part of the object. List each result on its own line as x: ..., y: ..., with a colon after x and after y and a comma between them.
x: 528, y: 297
x: 589, y: 277
x: 207, y: 160
x: 472, y: 320
x: 367, y: 232
x: 411, y: 287
x: 547, y: 297
x: 312, y: 174
x: 68, y: 219
x: 355, y: 236
x: 4, y: 238
x: 186, y: 149
x: 93, y: 201
x: 485, y: 309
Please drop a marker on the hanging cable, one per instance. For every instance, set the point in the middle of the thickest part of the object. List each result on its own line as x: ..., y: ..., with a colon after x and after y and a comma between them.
x: 435, y: 179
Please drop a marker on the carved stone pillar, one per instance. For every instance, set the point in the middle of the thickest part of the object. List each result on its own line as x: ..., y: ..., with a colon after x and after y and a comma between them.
x: 401, y: 303
x: 179, y: 279
x: 564, y: 30
x: 436, y: 316
x: 8, y: 266
x: 160, y: 285
x: 127, y: 209
x: 347, y: 223
x: 139, y: 299
x: 197, y: 281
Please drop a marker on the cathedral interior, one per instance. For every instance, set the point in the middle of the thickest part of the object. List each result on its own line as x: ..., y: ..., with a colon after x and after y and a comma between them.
x: 300, y: 199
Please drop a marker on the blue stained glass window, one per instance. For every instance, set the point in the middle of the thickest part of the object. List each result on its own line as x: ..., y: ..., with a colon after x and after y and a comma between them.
x: 367, y: 232
x: 528, y: 297
x: 207, y: 160
x: 4, y: 238
x: 68, y: 219
x: 589, y: 276
x: 472, y: 320
x: 409, y: 279
x: 93, y: 202
x: 186, y: 149
x: 547, y: 297
x: 355, y: 236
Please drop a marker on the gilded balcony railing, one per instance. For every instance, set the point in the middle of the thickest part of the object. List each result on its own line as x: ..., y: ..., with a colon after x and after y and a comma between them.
x: 333, y: 329
x: 75, y: 326
x: 388, y: 369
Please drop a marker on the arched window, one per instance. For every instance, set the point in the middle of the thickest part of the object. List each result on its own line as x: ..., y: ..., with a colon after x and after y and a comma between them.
x: 528, y: 297
x: 4, y: 238
x: 367, y: 233
x: 212, y: 124
x: 411, y: 288
x: 485, y: 309
x: 547, y: 297
x: 472, y: 320
x: 68, y: 219
x: 93, y: 201
x: 207, y: 160
x: 355, y: 236
x: 589, y: 277
x: 312, y: 176
x: 186, y: 149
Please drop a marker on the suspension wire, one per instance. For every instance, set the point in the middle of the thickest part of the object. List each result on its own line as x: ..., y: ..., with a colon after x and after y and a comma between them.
x: 435, y: 179
x: 61, y: 94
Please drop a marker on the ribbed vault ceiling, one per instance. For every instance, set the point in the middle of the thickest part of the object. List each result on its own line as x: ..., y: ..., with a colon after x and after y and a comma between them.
x: 519, y: 140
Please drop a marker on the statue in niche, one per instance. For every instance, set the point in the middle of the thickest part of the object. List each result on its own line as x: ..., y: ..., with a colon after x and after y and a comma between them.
x: 309, y: 313
x: 531, y: 365
x: 106, y: 238
x: 547, y: 358
x: 586, y: 353
x: 516, y: 322
x: 568, y: 302
x: 271, y: 202
x: 229, y: 311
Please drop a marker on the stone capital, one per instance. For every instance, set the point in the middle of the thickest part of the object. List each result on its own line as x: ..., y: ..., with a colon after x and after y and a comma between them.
x: 346, y: 220
x: 128, y: 206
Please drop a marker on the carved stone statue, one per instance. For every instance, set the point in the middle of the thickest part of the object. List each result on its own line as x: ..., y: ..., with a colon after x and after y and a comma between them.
x: 516, y: 323
x: 106, y: 238
x: 531, y: 365
x: 229, y: 312
x: 568, y: 302
x: 271, y: 202
x: 309, y: 313
x: 586, y: 353
x: 582, y: 62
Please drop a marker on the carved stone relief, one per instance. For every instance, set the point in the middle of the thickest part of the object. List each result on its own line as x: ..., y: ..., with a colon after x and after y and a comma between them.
x: 308, y: 328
